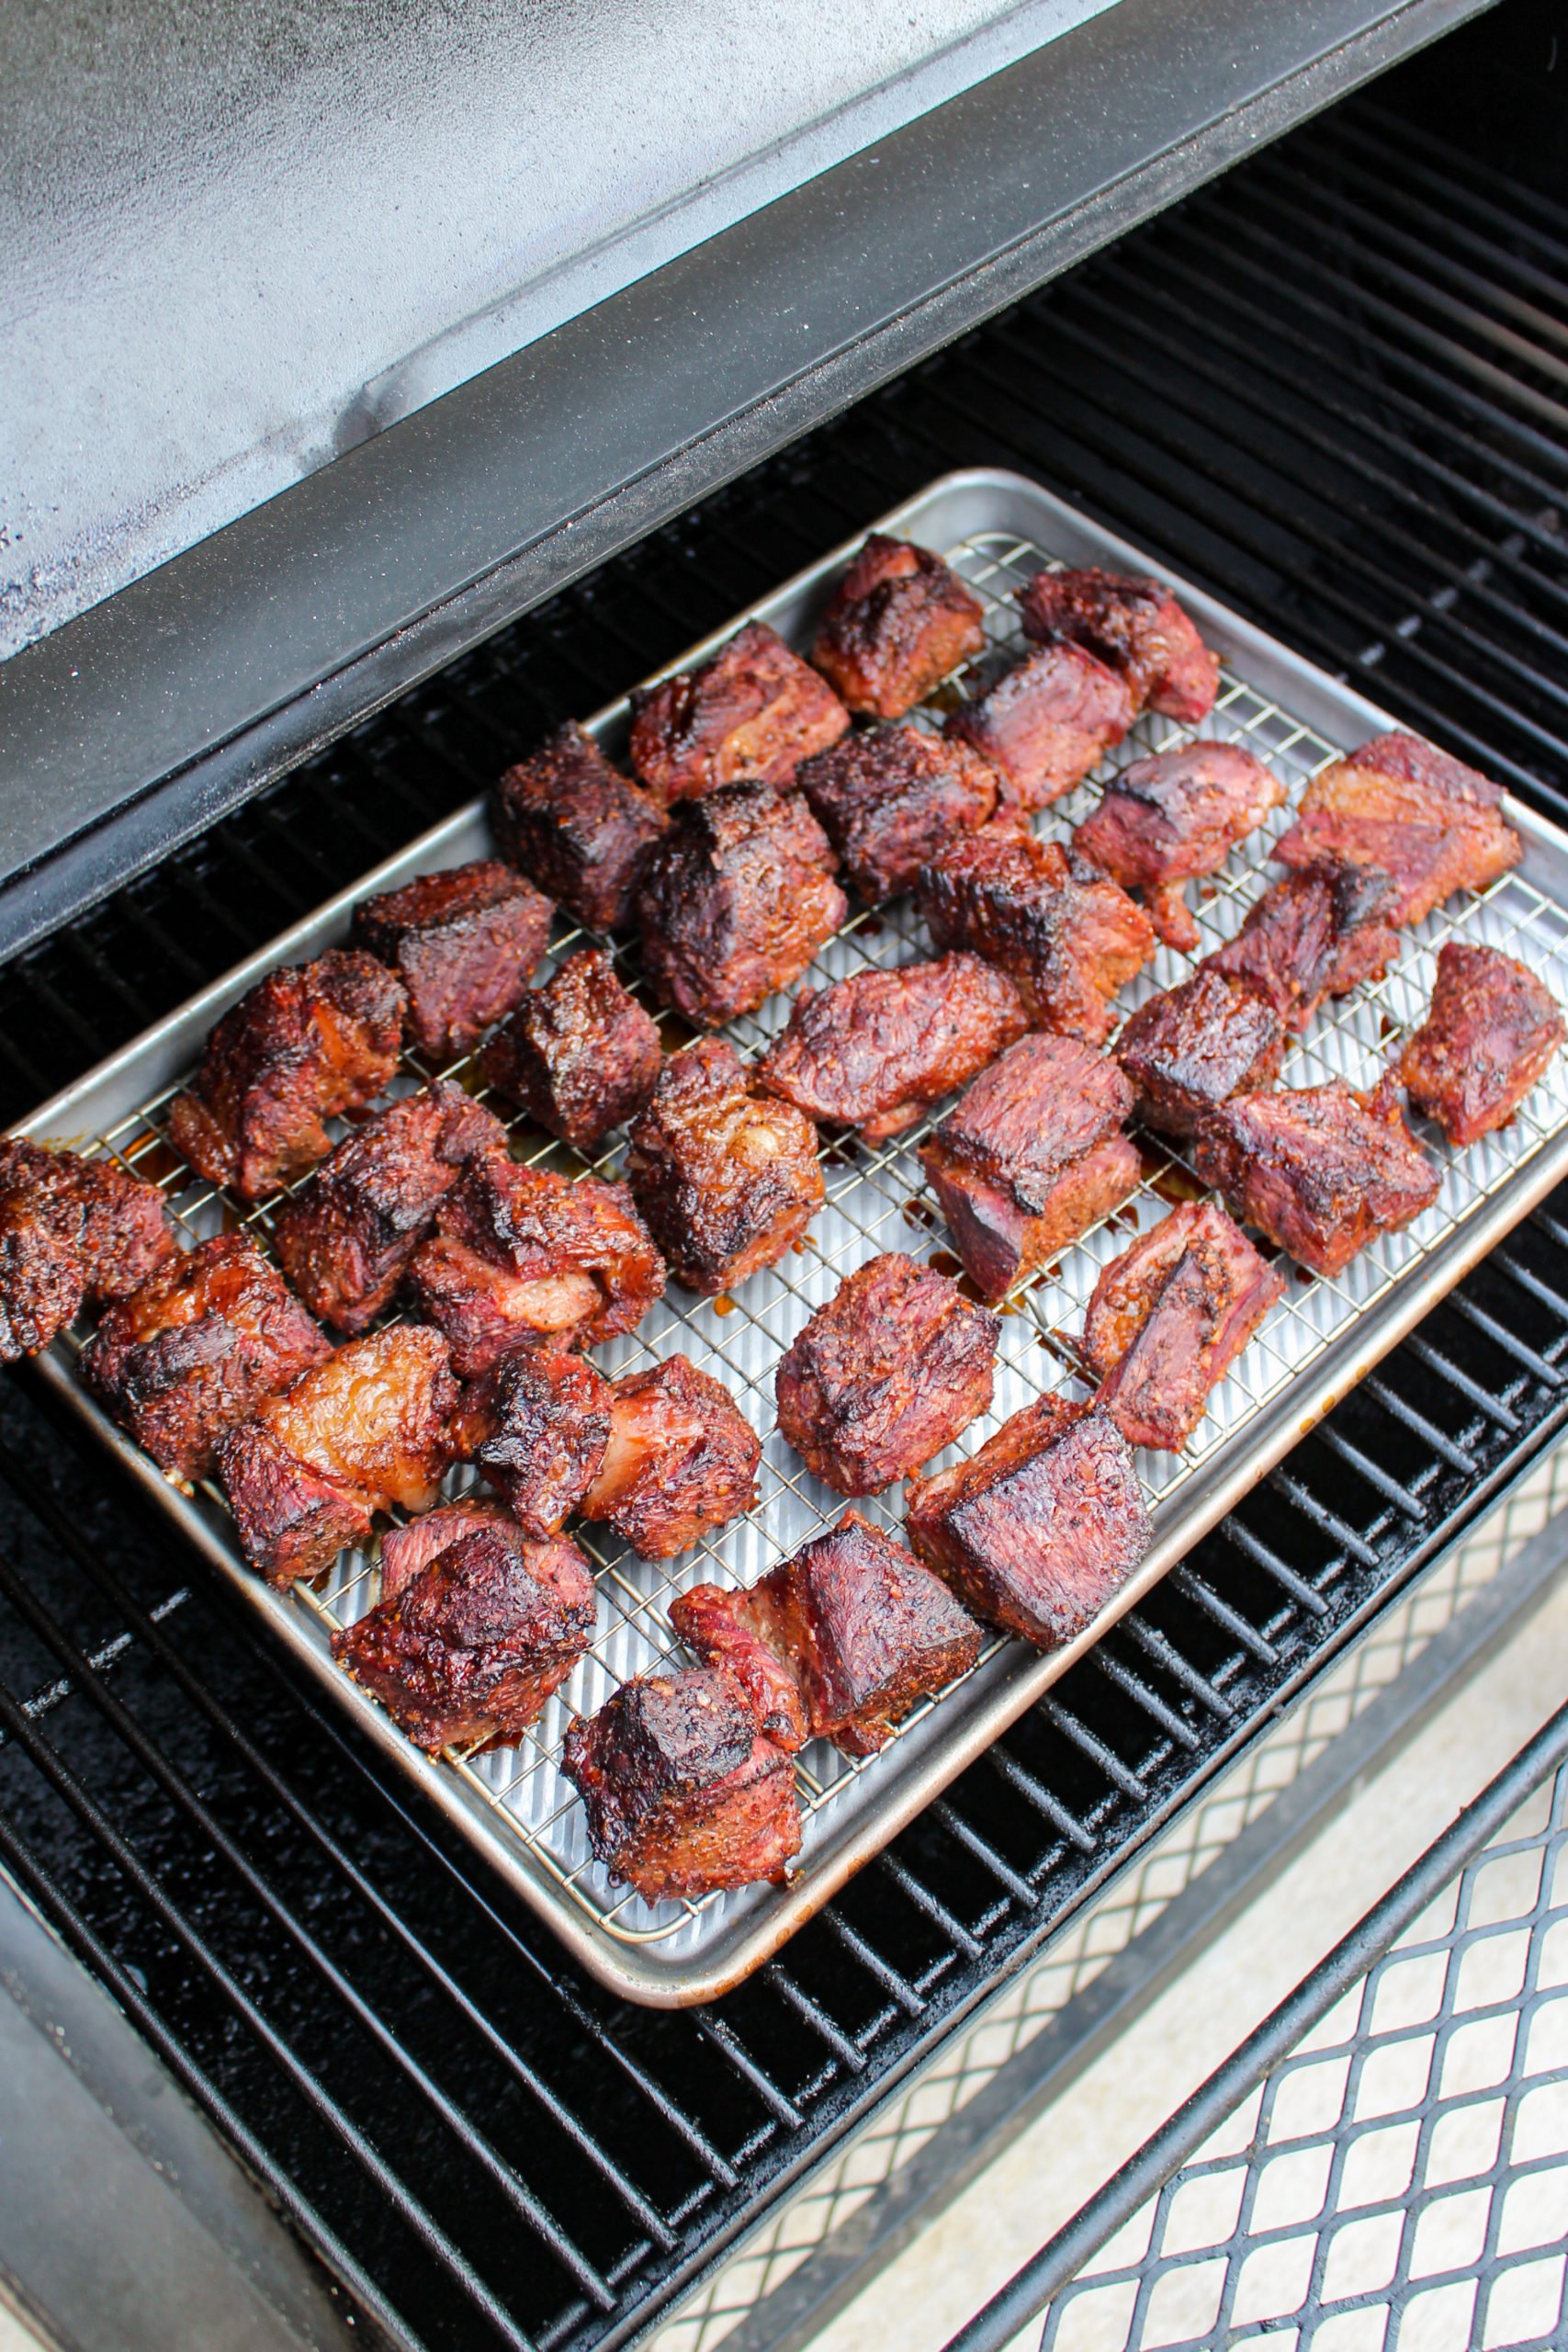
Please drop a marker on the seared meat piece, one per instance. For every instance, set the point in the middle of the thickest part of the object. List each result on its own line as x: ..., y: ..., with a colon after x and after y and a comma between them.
x: 684, y: 1793
x: 754, y: 712
x: 310, y: 1041
x: 1030, y: 1158
x: 521, y: 1255
x: 71, y: 1229
x: 1040, y: 1529
x: 1167, y: 818
x: 464, y: 942
x: 1432, y: 824
x: 1169, y: 1319
x: 347, y: 1236
x: 568, y: 818
x: 205, y: 1340
x: 727, y: 1180
x: 1491, y: 1030
x: 884, y: 1375
x: 872, y: 1051
x: 579, y: 1056
x: 735, y: 901
x: 1321, y: 1171
x: 1134, y: 626
x: 1319, y: 933
x: 681, y: 1458
x: 372, y: 1425
x: 838, y: 1643
x: 409, y: 1548
x: 469, y: 1647
x: 536, y: 1428
x: 1045, y: 724
x: 1067, y: 937
x: 898, y: 622
x: 893, y: 796
x: 1196, y: 1045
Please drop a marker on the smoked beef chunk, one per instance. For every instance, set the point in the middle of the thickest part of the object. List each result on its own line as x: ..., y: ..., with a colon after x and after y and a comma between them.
x: 1193, y: 1046
x: 1319, y: 933
x: 1037, y: 1532
x: 1322, y: 1171
x: 1490, y: 1031
x: 372, y: 1425
x: 71, y: 1230
x: 1134, y: 626
x: 574, y: 823
x: 1067, y: 937
x: 684, y: 1793
x: 1046, y: 723
x: 536, y: 1428
x: 755, y: 712
x: 464, y: 944
x: 1428, y: 822
x: 892, y: 797
x: 1030, y: 1158
x: 898, y: 622
x: 1167, y: 818
x: 579, y: 1056
x: 838, y: 1643
x: 347, y: 1236
x: 884, y: 1375
x: 872, y: 1051
x: 681, y: 1458
x: 410, y: 1546
x: 309, y: 1041
x: 1169, y: 1316
x: 726, y: 1180
x: 210, y: 1335
x: 736, y: 902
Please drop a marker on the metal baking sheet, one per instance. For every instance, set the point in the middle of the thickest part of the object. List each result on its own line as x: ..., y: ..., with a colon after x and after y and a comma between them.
x: 513, y: 1803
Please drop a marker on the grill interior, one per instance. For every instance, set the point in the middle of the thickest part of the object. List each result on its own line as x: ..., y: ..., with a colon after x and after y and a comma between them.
x: 1331, y: 388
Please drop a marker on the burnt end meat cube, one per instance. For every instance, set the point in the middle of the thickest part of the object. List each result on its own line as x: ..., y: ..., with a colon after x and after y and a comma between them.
x: 1319, y: 933
x: 889, y: 798
x: 1042, y: 1527
x: 735, y: 901
x: 1428, y: 822
x: 726, y: 1181
x: 872, y: 1051
x: 1032, y: 1156
x: 72, y: 1229
x: 681, y: 1458
x: 577, y: 826
x: 1193, y: 1046
x: 884, y: 1375
x: 208, y: 1336
x: 536, y: 1428
x: 464, y: 942
x: 1321, y: 1171
x: 309, y: 1041
x: 579, y: 1056
x: 347, y: 1236
x: 1047, y: 723
x: 1168, y: 818
x: 852, y: 1629
x: 684, y: 1793
x: 413, y: 1544
x: 1491, y: 1031
x: 898, y: 622
x: 1169, y: 1316
x: 754, y: 712
x: 1134, y: 626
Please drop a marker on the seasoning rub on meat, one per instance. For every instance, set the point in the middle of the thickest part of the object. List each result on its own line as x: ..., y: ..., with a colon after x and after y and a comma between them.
x: 1169, y: 1316
x: 1166, y: 819
x: 1491, y: 1030
x: 1321, y: 1170
x: 72, y: 1230
x: 898, y: 622
x: 726, y: 1180
x: 755, y: 711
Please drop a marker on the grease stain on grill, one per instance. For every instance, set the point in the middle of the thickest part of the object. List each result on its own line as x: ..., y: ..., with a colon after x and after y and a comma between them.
x: 915, y: 1212
x: 724, y: 1304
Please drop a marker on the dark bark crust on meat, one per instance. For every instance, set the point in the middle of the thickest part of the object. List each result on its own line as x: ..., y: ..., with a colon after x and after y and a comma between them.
x: 1320, y: 933
x: 574, y: 823
x: 536, y: 1428
x: 1322, y: 1171
x: 889, y: 798
x: 1428, y: 822
x: 680, y: 1459
x: 73, y: 1230
x: 1170, y: 818
x: 754, y: 712
x: 1135, y: 627
x: 579, y: 1056
x: 1169, y: 1316
x: 898, y: 623
x: 1491, y: 1031
x: 727, y: 1181
x: 1192, y: 1047
x: 1047, y: 723
x: 464, y: 942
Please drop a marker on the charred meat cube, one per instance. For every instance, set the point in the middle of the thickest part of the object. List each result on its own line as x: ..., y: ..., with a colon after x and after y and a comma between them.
x: 736, y: 902
x: 1032, y: 1156
x: 72, y: 1230
x: 372, y: 1425
x: 1167, y: 818
x: 536, y: 1428
x: 754, y: 712
x: 413, y: 1544
x: 726, y: 1181
x: 464, y: 944
x: 1132, y: 626
x: 1047, y: 722
x: 310, y: 1041
x: 1041, y: 1529
x: 681, y: 1458
x: 1428, y: 822
x: 898, y: 622
x: 208, y: 1336
x: 1064, y: 935
x: 1196, y: 1045
x: 1321, y: 1171
x: 579, y: 1056
x: 872, y: 1051
x: 838, y: 1643
x: 347, y: 1236
x: 884, y: 1375
x: 1169, y: 1316
x: 684, y: 1795
x: 1491, y: 1030
x: 889, y: 798
x: 1319, y: 933
x: 578, y: 826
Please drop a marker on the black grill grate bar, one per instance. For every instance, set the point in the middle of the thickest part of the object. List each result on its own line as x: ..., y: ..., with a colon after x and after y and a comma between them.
x: 813, y: 2014
x: 1505, y: 1261
x: 976, y: 1842
x: 1457, y: 1377
x: 1235, y: 1531
x: 1459, y: 179
x: 1311, y: 1506
x: 1365, y: 1468
x: 718, y: 2030
x: 1019, y: 1777
x: 909, y: 1999
x: 1134, y: 1687
x: 1163, y: 1651
x: 1072, y: 1727
x: 1197, y: 1589
x: 1510, y: 1341
x: 103, y: 1659
x: 1456, y: 1457
x: 890, y: 1866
